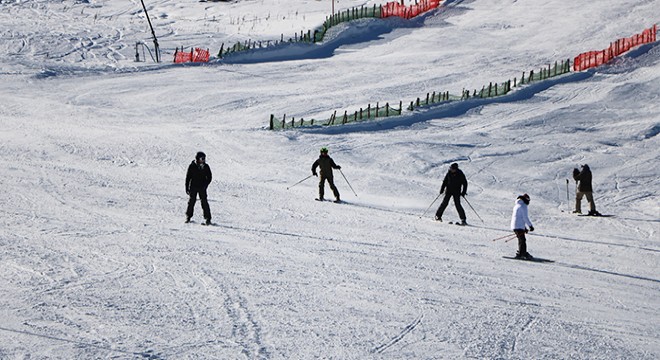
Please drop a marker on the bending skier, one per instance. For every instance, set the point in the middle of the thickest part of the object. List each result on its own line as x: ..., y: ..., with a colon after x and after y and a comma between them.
x: 519, y: 223
x: 326, y: 164
x: 456, y: 185
x: 584, y: 188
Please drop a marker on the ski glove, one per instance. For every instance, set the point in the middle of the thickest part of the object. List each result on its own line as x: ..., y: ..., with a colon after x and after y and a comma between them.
x: 531, y: 228
x: 463, y: 194
x: 314, y: 173
x: 187, y: 191
x: 338, y: 167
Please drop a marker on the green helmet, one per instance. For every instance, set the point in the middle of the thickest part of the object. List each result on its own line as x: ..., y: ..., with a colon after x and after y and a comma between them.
x: 324, y: 150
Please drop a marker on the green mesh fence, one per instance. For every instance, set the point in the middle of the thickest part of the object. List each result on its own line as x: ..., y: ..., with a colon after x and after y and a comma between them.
x: 497, y: 89
x: 311, y: 36
x: 364, y: 114
x: 434, y: 98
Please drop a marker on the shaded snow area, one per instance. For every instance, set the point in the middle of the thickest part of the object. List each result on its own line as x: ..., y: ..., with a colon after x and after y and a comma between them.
x: 97, y: 261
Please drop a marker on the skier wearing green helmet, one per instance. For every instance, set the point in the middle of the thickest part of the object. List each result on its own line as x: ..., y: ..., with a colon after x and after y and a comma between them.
x: 326, y: 164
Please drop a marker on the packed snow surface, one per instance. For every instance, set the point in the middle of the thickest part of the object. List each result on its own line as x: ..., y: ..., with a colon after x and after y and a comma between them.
x: 98, y: 263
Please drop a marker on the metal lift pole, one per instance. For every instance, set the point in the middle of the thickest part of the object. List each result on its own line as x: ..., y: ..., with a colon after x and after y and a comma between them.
x: 153, y: 33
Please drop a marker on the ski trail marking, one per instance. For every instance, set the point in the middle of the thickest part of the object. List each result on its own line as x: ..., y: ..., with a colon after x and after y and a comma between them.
x: 410, y: 327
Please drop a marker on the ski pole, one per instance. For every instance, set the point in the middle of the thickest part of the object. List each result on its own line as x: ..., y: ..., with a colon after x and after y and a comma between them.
x: 475, y: 211
x: 505, y: 236
x: 511, y: 238
x: 299, y: 182
x: 427, y: 209
x: 568, y: 200
x: 349, y: 184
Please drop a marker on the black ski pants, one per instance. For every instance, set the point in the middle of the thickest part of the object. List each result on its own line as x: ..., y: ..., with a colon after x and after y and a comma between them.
x: 322, y: 180
x: 522, y: 241
x: 203, y: 199
x: 457, y: 202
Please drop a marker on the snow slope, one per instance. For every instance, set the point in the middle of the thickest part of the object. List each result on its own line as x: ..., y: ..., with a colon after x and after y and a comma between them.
x: 97, y: 262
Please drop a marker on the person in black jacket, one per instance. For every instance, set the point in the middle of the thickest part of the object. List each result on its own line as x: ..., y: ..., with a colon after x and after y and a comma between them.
x: 326, y: 164
x: 455, y: 185
x: 198, y: 179
x: 584, y: 188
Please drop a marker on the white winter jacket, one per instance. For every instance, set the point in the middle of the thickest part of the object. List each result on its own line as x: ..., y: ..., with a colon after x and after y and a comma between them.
x: 520, y: 218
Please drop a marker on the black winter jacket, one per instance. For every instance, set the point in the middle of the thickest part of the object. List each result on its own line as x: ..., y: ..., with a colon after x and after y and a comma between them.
x: 453, y: 182
x: 326, y: 164
x: 198, y: 177
x: 584, y: 179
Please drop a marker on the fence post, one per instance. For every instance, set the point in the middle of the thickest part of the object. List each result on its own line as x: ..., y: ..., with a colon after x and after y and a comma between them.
x: 387, y: 109
x: 271, y: 121
x: 284, y: 122
x: 377, y: 109
x: 369, y: 111
x: 345, y: 117
x: 400, y: 107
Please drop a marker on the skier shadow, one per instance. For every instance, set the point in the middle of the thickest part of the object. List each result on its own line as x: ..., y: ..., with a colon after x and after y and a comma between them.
x: 301, y: 236
x: 598, y: 242
x: 585, y: 268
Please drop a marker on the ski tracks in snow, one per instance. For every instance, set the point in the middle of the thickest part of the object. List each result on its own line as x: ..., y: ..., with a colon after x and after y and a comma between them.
x: 246, y: 331
x: 410, y: 327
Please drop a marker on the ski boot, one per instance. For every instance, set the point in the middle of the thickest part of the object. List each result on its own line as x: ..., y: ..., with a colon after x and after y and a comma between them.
x: 438, y: 218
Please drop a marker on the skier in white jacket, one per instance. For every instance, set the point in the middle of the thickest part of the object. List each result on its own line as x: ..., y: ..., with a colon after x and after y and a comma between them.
x: 519, y: 223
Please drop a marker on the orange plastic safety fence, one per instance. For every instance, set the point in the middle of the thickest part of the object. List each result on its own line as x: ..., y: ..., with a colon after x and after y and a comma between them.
x: 408, y: 12
x: 591, y: 59
x: 195, y: 55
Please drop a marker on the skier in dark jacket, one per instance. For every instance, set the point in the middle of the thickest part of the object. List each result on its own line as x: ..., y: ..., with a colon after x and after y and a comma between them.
x: 198, y: 179
x: 326, y: 164
x: 584, y: 188
x: 455, y: 185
